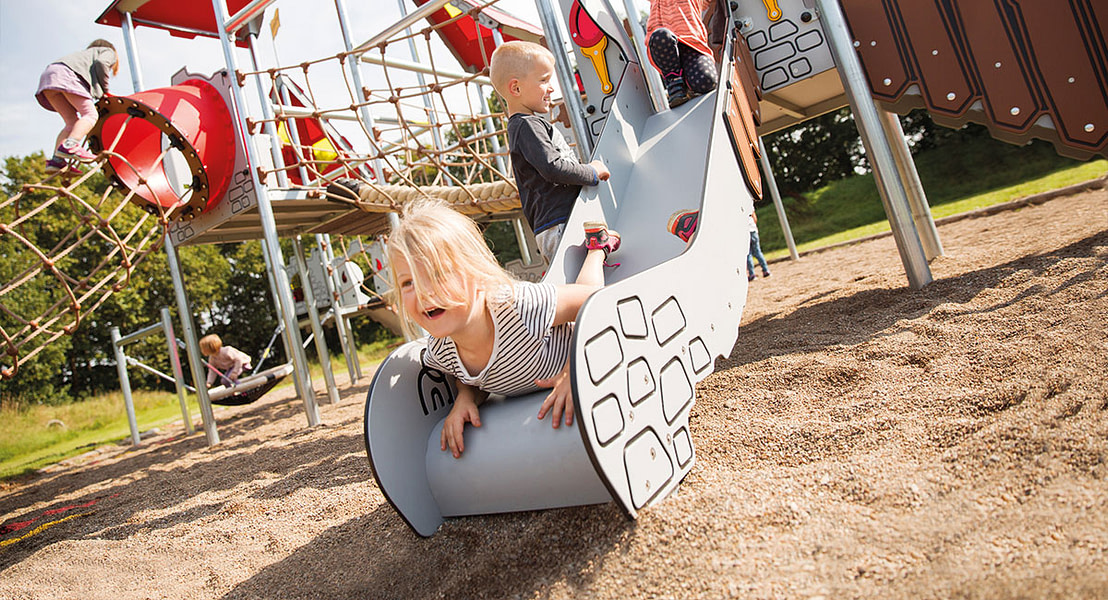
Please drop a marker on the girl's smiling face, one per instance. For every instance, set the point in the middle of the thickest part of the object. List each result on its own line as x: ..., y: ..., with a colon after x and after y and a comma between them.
x: 439, y: 321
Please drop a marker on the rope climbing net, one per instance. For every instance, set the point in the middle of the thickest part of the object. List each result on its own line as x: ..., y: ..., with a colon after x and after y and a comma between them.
x: 440, y: 136
x: 63, y: 256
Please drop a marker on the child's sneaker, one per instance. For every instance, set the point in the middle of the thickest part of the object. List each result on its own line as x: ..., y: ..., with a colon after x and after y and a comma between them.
x: 683, y: 224
x: 75, y: 152
x: 56, y: 165
x: 599, y: 237
x: 676, y: 91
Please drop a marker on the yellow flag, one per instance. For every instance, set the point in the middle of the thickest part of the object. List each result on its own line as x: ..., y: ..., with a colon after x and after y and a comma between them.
x: 275, y: 22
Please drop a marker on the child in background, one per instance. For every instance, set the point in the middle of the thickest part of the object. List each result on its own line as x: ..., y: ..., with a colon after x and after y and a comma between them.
x: 755, y: 250
x: 547, y: 172
x: 678, y: 47
x: 494, y: 334
x: 70, y: 87
x: 229, y: 361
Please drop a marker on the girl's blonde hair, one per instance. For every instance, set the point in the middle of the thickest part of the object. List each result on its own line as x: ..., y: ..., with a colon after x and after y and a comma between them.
x: 447, y: 255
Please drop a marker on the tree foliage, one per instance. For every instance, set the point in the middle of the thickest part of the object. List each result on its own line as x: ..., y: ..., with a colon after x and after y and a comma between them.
x: 226, y: 286
x: 829, y: 148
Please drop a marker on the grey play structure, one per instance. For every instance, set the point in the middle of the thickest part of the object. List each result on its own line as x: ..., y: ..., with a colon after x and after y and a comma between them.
x: 640, y: 344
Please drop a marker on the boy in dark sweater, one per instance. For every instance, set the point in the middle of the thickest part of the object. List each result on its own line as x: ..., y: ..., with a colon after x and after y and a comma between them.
x: 547, y: 172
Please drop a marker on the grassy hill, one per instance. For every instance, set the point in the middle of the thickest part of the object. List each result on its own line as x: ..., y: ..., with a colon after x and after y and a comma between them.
x: 957, y: 177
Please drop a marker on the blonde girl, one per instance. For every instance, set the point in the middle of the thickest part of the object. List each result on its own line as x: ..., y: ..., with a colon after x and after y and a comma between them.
x: 494, y: 334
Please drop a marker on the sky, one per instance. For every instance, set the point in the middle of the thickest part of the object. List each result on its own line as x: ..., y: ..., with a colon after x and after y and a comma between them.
x: 34, y: 33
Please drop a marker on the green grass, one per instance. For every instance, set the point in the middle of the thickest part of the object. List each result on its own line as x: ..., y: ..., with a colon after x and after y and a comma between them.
x: 956, y: 178
x: 29, y: 442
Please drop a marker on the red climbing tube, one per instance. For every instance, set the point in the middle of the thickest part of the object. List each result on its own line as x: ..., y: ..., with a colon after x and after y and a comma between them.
x: 191, y: 117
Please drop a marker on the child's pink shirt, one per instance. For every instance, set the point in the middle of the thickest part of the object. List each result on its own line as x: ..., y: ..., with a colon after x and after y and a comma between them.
x: 684, y: 19
x: 230, y: 360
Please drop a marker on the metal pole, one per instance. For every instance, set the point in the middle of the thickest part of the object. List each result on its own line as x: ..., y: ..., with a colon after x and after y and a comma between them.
x: 132, y: 52
x: 313, y: 318
x: 568, y: 83
x: 775, y: 194
x: 192, y: 348
x: 125, y: 384
x: 175, y: 364
x: 334, y: 285
x: 917, y: 197
x: 269, y: 226
x: 428, y: 105
x: 271, y: 278
x: 363, y: 110
x: 877, y: 145
x: 270, y: 128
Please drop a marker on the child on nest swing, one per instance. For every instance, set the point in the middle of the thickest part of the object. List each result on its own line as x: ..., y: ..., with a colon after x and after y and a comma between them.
x: 493, y: 333
x: 225, y: 362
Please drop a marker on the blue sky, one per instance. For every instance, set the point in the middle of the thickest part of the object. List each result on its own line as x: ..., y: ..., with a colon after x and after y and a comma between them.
x: 34, y: 33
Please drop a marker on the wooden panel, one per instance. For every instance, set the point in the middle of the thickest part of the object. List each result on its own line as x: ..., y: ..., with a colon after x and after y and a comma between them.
x: 888, y: 73
x: 741, y: 128
x: 940, y: 71
x: 1065, y: 63
x: 1004, y: 63
x: 1006, y: 84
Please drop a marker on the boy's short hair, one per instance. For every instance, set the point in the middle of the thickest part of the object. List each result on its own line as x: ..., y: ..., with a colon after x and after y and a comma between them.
x: 513, y: 60
x: 210, y: 344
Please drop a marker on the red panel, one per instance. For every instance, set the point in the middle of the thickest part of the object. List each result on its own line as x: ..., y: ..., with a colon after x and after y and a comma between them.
x: 181, y: 18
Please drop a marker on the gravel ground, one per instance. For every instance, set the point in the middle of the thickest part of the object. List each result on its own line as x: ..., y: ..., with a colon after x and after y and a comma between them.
x: 862, y: 440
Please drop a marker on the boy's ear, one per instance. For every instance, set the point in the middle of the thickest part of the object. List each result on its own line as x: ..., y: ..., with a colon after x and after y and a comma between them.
x: 513, y: 87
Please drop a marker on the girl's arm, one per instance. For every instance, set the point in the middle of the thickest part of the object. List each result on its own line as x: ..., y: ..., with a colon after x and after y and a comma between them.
x: 465, y: 409
x: 571, y: 297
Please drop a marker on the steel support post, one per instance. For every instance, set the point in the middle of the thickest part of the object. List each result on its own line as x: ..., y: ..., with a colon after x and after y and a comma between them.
x: 775, y: 195
x: 877, y: 145
x: 557, y: 44
x: 313, y: 318
x: 192, y: 347
x: 917, y: 198
x: 175, y: 366
x: 269, y: 223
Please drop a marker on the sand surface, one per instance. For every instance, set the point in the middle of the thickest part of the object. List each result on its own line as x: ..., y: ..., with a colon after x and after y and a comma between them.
x: 862, y: 440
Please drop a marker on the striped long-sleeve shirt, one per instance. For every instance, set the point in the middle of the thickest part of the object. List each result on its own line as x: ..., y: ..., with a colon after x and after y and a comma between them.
x: 527, y: 345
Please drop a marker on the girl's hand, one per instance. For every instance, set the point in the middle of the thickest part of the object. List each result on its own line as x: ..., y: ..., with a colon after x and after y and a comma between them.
x: 560, y: 398
x: 465, y: 410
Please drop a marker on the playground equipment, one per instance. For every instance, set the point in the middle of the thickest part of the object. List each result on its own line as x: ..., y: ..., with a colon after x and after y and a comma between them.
x: 643, y: 341
x: 122, y: 361
x: 640, y: 343
x: 250, y: 388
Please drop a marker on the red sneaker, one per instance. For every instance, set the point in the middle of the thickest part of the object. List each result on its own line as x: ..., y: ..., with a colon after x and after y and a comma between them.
x: 599, y: 237
x: 683, y: 224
